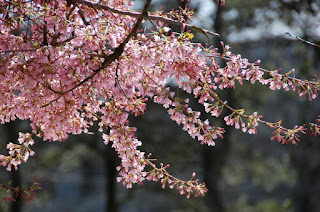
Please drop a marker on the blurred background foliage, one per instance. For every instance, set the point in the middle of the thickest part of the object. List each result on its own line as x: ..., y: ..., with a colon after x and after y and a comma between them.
x: 243, y: 172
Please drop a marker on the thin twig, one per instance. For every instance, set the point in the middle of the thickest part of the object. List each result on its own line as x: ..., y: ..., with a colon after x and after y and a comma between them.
x: 302, y: 40
x: 21, y: 50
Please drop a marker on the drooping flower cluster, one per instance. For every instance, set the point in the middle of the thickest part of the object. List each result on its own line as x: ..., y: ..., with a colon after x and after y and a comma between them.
x: 18, y: 152
x: 65, y: 65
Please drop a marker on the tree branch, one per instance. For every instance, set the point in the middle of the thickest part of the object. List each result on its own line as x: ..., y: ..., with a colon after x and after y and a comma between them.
x: 152, y: 17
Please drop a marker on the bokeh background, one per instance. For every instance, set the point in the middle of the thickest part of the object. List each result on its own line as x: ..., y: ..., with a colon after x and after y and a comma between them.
x: 242, y: 172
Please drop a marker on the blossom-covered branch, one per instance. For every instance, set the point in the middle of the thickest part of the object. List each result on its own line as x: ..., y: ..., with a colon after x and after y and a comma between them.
x: 66, y: 66
x: 237, y: 117
x: 184, y: 187
x: 240, y: 69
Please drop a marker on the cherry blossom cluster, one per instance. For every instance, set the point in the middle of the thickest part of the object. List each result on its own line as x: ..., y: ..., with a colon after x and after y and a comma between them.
x: 132, y: 165
x: 287, y: 135
x: 182, y: 114
x: 67, y: 65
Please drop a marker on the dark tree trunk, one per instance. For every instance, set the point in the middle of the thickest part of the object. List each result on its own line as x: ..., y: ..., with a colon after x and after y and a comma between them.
x: 215, y: 157
x: 111, y: 183
x: 12, y: 135
x: 213, y: 161
x: 306, y: 158
x: 16, y: 206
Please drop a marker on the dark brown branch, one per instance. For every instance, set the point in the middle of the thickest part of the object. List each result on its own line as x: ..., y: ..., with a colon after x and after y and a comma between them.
x: 45, y: 35
x: 21, y: 50
x: 152, y: 17
x: 83, y: 17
